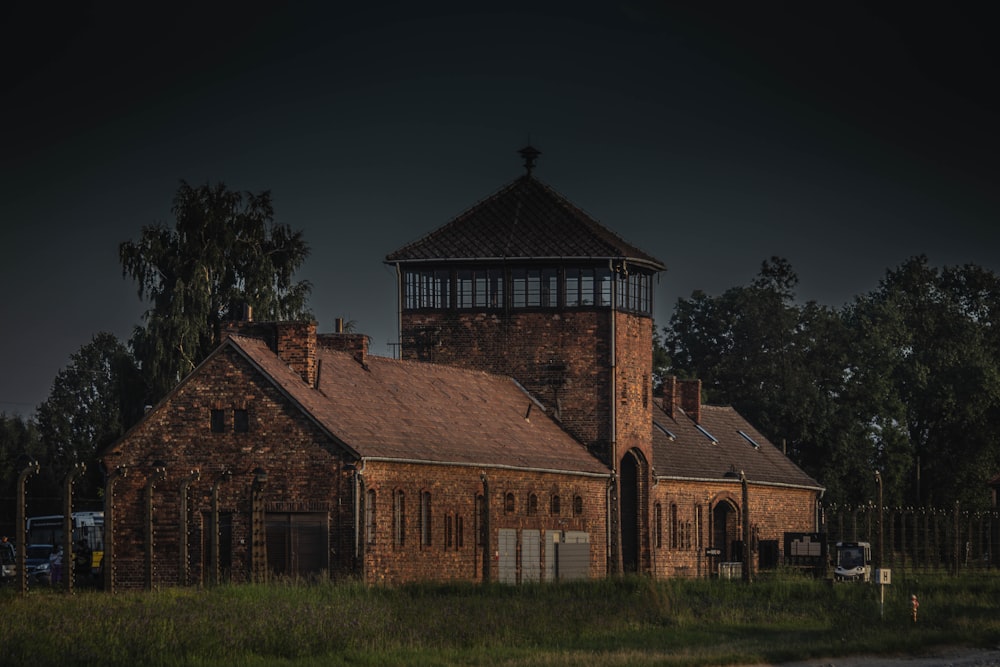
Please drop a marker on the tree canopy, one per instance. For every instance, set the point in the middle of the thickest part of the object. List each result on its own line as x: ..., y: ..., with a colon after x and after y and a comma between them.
x: 225, y: 253
x: 905, y: 380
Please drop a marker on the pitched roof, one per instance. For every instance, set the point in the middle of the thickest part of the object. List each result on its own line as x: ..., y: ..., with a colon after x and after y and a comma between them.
x: 414, y: 411
x: 718, y: 447
x: 524, y: 220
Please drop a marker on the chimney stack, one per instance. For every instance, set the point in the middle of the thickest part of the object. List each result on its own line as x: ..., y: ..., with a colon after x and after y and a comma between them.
x: 683, y: 394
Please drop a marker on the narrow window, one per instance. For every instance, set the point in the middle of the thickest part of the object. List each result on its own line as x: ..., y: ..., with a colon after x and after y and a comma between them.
x: 555, y: 505
x: 241, y: 420
x: 577, y: 505
x: 459, y: 530
x: 370, y: 517
x: 399, y: 518
x: 425, y: 519
x: 448, y: 528
x: 218, y: 421
x: 658, y: 524
x: 532, y: 504
x: 674, y: 529
x: 508, y: 503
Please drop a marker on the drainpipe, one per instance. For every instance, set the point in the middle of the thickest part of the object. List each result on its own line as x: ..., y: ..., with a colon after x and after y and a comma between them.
x: 747, y: 575
x: 615, y: 513
x: 398, y: 352
x: 68, y: 569
x: 184, y: 566
x: 108, y: 560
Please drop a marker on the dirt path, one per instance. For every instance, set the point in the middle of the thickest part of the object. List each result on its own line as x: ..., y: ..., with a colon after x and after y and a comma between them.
x: 953, y: 657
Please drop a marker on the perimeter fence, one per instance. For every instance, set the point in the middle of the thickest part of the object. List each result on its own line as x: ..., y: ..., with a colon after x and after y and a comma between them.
x: 919, y: 539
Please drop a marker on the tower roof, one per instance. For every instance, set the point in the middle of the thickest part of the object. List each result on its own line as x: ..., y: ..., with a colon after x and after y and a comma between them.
x: 525, y: 220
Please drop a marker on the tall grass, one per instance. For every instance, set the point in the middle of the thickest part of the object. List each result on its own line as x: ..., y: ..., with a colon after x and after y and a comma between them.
x: 628, y: 621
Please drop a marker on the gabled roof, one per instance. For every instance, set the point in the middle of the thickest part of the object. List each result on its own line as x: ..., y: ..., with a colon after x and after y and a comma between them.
x: 414, y: 411
x: 718, y: 447
x: 524, y: 220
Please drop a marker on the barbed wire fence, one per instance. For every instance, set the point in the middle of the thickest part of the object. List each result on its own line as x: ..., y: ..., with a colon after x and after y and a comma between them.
x: 919, y: 539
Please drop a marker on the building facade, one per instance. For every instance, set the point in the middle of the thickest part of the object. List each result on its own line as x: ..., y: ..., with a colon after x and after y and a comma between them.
x: 516, y: 439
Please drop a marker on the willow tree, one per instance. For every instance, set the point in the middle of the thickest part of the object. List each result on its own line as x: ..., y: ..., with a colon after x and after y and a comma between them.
x: 225, y: 253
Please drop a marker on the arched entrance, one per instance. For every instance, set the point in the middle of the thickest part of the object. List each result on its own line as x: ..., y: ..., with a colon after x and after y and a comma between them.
x: 630, y: 489
x: 726, y: 530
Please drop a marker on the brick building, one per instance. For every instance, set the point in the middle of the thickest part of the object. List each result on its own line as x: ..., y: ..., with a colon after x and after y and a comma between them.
x: 516, y: 439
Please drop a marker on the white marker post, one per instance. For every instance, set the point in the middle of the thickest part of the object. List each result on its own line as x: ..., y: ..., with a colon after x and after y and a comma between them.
x: 884, y: 577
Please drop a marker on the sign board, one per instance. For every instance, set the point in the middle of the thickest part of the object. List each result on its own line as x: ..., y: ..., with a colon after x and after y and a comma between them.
x: 883, y: 576
x: 712, y: 551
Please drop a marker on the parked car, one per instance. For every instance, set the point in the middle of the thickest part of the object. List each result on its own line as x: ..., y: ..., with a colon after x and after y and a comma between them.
x: 36, y: 563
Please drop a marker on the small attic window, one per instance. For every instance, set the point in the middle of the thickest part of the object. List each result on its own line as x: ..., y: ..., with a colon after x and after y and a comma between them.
x: 749, y: 439
x: 218, y: 419
x: 706, y: 433
x: 665, y: 430
x: 241, y: 420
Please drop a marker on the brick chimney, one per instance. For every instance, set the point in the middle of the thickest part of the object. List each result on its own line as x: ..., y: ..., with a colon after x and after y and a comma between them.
x: 683, y: 394
x: 346, y: 342
x: 293, y: 342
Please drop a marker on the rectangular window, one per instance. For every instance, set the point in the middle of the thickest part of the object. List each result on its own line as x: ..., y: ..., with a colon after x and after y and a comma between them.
x: 370, y: 517
x: 427, y: 289
x: 479, y: 288
x: 534, y: 288
x: 464, y: 292
x: 658, y: 524
x: 587, y: 287
x: 241, y: 420
x: 448, y: 532
x: 218, y: 421
x: 425, y: 519
x: 674, y: 528
x: 459, y: 537
x: 399, y: 519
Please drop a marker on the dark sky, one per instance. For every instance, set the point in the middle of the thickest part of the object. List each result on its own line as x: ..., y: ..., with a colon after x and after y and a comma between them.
x: 842, y: 137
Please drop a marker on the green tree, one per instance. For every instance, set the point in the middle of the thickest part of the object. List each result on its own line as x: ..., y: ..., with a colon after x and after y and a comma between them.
x: 18, y: 437
x: 928, y: 341
x: 93, y: 400
x: 779, y: 363
x: 224, y: 254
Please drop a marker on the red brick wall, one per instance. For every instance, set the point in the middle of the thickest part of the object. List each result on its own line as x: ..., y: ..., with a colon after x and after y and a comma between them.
x: 302, y: 468
x: 563, y: 358
x: 453, y: 492
x: 774, y: 510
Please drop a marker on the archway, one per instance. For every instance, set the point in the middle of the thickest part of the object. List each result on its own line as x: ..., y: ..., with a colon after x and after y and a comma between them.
x: 630, y: 485
x: 726, y: 530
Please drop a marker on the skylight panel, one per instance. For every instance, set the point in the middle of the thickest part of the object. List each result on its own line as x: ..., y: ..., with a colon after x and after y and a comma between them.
x: 665, y: 430
x: 749, y: 439
x: 706, y: 433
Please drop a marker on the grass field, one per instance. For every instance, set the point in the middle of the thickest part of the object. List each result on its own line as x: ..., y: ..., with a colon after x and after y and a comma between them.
x: 628, y: 621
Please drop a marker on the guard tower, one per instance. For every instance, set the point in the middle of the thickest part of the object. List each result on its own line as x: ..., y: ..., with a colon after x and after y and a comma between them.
x: 526, y: 284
